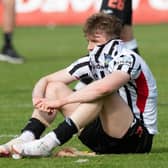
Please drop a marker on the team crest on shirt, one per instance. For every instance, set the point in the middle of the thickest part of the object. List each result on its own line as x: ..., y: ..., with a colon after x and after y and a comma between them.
x: 122, y: 60
x: 107, y: 58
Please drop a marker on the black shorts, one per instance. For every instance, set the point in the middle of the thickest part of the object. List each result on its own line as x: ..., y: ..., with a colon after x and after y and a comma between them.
x: 122, y: 9
x: 136, y: 140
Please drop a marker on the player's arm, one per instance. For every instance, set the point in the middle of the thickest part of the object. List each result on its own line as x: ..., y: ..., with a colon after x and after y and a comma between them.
x: 100, y: 88
x: 40, y: 86
x: 93, y: 91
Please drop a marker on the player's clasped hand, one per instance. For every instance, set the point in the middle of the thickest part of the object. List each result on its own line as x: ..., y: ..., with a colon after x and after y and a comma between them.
x: 35, y: 101
x: 46, y: 105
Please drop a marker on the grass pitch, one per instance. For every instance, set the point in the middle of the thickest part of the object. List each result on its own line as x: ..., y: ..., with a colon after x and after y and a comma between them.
x: 48, y: 49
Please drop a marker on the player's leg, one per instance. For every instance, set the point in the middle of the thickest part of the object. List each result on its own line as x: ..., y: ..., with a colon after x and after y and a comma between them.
x: 32, y: 130
x: 113, y: 7
x: 9, y: 10
x: 39, y: 120
x: 120, y: 131
x: 116, y: 130
x: 114, y: 120
x: 8, y: 52
x: 128, y: 38
x: 120, y: 119
x: 71, y: 125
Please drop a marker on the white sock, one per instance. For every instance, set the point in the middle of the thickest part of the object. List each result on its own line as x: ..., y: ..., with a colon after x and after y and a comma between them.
x: 51, y: 140
x: 131, y: 44
x: 27, y: 136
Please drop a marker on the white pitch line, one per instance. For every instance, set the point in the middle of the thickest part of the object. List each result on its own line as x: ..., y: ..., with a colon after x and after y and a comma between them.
x: 8, y: 136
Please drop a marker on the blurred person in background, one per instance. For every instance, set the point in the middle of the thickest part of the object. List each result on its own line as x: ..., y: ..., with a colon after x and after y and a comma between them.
x: 123, y: 10
x: 8, y: 53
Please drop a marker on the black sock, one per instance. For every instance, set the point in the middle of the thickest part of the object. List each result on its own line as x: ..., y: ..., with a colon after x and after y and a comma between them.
x: 65, y: 130
x: 35, y: 126
x: 8, y: 40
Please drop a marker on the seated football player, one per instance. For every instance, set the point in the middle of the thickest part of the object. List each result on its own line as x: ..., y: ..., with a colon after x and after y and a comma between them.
x: 116, y: 113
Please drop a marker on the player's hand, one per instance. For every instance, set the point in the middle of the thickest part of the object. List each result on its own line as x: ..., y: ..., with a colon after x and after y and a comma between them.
x: 56, y: 104
x: 35, y: 101
x: 46, y: 105
x: 73, y: 152
x: 38, y: 104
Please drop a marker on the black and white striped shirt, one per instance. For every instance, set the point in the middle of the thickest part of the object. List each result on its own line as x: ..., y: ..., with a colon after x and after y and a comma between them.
x: 140, y: 92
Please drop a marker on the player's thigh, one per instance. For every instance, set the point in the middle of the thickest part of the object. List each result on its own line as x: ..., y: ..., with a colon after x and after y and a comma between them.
x: 112, y: 104
x: 116, y: 116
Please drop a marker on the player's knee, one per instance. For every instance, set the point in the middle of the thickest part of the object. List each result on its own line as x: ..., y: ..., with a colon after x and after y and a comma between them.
x: 54, y: 88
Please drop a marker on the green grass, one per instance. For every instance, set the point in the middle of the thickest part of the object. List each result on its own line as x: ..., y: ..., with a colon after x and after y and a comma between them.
x: 49, y: 49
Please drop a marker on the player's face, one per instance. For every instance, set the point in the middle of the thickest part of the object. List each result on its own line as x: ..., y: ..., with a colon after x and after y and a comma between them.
x: 96, y: 39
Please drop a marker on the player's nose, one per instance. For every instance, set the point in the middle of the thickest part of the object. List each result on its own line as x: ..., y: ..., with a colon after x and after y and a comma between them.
x: 90, y: 46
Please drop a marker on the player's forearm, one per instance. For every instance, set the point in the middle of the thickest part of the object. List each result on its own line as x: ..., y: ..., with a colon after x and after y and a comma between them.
x: 99, y: 89
x: 85, y: 95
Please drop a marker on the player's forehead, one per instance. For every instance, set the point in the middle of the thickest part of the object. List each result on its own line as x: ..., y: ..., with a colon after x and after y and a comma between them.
x: 94, y: 36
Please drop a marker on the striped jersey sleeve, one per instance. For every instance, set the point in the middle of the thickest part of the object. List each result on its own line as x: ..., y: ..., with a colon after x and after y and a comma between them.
x: 127, y: 63
x: 80, y: 69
